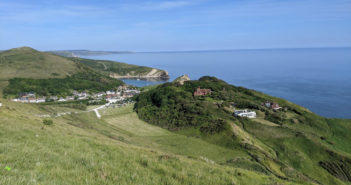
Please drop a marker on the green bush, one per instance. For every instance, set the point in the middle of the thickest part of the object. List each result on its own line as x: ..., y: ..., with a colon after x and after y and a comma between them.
x: 215, y: 126
x: 48, y: 122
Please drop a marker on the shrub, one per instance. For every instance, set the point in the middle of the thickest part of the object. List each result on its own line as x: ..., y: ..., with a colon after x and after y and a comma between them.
x: 213, y: 127
x: 47, y: 122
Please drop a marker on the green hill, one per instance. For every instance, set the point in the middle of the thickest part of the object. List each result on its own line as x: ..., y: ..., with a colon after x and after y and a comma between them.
x: 26, y: 62
x: 26, y: 70
x: 123, y: 70
x: 292, y: 143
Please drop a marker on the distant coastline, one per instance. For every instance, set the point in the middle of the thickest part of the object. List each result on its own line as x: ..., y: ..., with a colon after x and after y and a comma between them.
x: 79, y: 52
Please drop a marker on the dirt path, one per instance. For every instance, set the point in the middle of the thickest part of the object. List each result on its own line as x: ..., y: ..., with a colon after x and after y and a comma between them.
x: 96, y: 110
x: 104, y: 65
x: 97, y: 113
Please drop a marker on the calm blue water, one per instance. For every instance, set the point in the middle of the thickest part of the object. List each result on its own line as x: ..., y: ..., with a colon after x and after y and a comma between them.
x: 318, y: 79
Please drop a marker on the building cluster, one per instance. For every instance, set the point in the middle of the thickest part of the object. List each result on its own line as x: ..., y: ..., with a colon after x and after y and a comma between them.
x: 271, y: 105
x: 29, y: 97
x: 111, y: 96
x: 252, y: 114
x: 241, y: 113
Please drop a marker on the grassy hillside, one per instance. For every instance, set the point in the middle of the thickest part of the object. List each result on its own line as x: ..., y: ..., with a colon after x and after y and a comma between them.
x: 25, y: 69
x: 117, y: 149
x: 119, y: 69
x: 26, y: 62
x: 292, y: 143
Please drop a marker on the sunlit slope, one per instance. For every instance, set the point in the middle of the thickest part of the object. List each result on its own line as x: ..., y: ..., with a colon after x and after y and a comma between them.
x: 26, y: 62
x: 118, y: 149
x: 292, y: 143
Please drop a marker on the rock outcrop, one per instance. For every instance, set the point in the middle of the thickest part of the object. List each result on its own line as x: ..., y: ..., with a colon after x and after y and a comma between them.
x: 182, y: 79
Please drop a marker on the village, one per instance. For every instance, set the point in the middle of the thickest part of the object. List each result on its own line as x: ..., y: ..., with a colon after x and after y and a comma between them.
x: 121, y: 94
x: 241, y: 113
x: 111, y: 96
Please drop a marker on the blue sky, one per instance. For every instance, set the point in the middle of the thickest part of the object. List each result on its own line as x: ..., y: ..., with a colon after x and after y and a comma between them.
x: 154, y: 25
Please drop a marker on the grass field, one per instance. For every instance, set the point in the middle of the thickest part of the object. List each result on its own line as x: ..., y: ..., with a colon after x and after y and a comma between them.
x: 29, y: 63
x: 143, y: 134
x: 118, y: 149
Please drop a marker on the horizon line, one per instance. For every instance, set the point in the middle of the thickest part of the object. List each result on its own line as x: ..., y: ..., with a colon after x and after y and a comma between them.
x: 243, y: 49
x: 185, y: 51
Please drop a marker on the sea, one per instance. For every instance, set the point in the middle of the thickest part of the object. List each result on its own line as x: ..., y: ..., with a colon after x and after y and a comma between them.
x: 316, y: 78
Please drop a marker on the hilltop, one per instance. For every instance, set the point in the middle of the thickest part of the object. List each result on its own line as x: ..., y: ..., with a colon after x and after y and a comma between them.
x: 290, y: 143
x: 26, y: 62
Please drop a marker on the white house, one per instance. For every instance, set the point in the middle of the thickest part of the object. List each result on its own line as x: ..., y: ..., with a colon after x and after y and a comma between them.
x: 121, y: 88
x: 245, y: 113
x: 69, y: 98
x: 81, y: 94
x: 32, y: 100
x: 110, y: 92
x: 100, y: 94
x: 82, y: 98
x: 54, y: 98
x: 41, y: 100
x: 31, y: 94
x: 0, y: 104
x: 115, y: 99
x: 62, y: 100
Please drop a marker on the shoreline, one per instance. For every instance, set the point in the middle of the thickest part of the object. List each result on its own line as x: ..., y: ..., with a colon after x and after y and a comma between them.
x: 142, y: 77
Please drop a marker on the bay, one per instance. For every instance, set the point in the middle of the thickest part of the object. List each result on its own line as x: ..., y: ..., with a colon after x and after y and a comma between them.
x: 316, y: 78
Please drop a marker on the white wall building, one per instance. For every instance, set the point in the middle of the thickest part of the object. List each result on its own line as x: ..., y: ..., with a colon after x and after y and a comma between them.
x: 68, y: 98
x: 32, y: 100
x: 110, y: 92
x: 41, y: 100
x: 62, y: 100
x: 245, y: 113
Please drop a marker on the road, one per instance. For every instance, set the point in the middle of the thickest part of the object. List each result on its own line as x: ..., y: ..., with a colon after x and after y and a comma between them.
x: 96, y: 110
